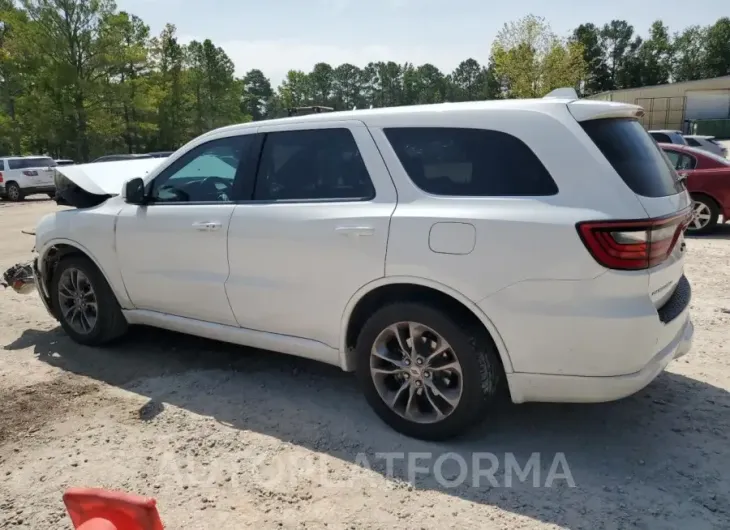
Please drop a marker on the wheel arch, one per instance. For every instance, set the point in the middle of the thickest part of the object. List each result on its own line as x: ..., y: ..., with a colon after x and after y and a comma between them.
x: 707, y: 195
x: 56, y: 249
x: 357, y: 308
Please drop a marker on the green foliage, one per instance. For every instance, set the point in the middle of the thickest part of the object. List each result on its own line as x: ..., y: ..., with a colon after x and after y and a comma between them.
x: 79, y: 79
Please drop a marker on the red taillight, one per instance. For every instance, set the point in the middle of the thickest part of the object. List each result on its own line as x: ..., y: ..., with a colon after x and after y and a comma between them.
x: 633, y: 245
x: 30, y: 173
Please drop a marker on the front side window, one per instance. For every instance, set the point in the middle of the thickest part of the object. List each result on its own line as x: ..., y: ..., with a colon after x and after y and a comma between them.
x: 316, y: 164
x: 205, y: 174
x: 470, y: 162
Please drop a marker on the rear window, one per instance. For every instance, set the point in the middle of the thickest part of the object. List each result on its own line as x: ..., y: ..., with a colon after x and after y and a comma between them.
x: 470, y: 162
x: 27, y: 163
x: 634, y: 156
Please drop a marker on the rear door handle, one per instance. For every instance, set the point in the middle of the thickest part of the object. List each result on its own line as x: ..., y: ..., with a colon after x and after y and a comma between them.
x: 207, y: 226
x: 355, y: 231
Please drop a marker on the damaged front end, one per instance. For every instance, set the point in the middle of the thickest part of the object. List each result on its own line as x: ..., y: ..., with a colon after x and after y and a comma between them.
x: 20, y: 277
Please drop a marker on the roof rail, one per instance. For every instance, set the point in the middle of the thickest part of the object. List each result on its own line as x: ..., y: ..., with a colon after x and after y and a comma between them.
x: 562, y: 93
x: 315, y: 109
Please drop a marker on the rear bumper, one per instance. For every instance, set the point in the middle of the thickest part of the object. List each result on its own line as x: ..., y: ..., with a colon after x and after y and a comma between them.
x: 576, y: 389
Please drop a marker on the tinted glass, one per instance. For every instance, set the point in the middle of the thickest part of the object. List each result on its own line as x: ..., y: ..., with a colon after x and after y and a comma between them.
x: 634, y: 156
x: 2, y: 165
x: 26, y: 163
x: 662, y: 138
x: 470, y: 162
x: 692, y: 142
x: 312, y: 164
x: 205, y: 174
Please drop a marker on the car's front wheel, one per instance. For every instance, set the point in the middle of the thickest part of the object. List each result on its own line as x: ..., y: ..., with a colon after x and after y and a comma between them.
x: 84, y: 303
x: 425, y: 375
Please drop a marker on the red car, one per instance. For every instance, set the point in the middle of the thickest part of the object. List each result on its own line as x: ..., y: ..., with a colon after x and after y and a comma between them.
x: 708, y: 181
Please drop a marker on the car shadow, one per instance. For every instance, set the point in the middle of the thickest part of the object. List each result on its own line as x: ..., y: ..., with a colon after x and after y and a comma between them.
x: 721, y: 231
x: 655, y: 460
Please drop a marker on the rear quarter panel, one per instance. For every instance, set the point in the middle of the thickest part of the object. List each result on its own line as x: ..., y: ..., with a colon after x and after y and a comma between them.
x: 713, y: 182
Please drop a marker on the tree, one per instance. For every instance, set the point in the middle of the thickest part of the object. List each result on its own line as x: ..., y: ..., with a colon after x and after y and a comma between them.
x: 170, y: 91
x: 615, y: 40
x: 690, y: 55
x: 347, y: 86
x: 655, y: 56
x: 467, y: 81
x: 530, y: 60
x: 321, y: 81
x: 257, y: 94
x: 597, y: 78
x: 73, y: 39
x: 216, y: 100
x: 717, y: 60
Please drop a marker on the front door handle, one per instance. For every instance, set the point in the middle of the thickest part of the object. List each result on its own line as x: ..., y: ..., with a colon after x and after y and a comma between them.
x: 207, y: 226
x: 355, y: 231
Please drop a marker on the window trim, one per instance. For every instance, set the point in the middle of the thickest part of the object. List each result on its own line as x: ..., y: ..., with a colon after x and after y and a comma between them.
x: 478, y: 197
x: 238, y: 179
x: 265, y: 135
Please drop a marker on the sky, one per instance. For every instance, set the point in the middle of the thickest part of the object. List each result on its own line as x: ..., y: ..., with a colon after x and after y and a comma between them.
x: 279, y: 35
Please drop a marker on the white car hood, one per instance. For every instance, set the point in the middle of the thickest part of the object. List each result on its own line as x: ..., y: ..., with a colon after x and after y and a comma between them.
x: 107, y: 178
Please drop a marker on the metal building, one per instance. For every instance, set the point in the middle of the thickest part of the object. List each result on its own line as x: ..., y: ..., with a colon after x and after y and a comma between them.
x: 672, y: 106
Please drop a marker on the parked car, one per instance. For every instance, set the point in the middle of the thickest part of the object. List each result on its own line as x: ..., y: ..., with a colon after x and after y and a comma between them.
x: 668, y: 137
x: 64, y: 162
x: 445, y: 253
x: 706, y: 143
x: 160, y: 154
x: 708, y: 181
x: 116, y: 158
x: 21, y: 176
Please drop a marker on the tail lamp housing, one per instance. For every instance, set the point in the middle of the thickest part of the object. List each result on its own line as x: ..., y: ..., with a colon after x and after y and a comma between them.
x: 633, y: 244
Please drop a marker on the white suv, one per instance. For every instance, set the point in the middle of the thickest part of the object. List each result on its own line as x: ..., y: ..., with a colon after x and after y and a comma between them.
x: 26, y: 175
x: 445, y: 253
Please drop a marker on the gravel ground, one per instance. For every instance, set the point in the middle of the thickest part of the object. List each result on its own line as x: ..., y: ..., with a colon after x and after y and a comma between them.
x: 228, y: 438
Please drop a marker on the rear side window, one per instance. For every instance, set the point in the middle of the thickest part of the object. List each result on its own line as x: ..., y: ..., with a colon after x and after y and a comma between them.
x: 317, y: 164
x: 25, y: 163
x: 470, y: 162
x: 634, y: 156
x: 692, y: 142
x: 2, y: 165
x: 661, y: 138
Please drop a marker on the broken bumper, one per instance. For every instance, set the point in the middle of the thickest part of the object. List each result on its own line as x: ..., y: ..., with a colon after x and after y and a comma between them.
x: 41, y: 286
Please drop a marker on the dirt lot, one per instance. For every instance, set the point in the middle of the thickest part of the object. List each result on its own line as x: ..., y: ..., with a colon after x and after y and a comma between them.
x: 230, y: 438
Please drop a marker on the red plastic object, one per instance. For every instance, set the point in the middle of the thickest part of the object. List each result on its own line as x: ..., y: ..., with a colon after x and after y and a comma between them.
x: 96, y: 509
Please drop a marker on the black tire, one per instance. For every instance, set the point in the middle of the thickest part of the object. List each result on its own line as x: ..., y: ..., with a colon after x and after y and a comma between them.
x: 714, y: 215
x: 483, y: 375
x: 13, y: 192
x: 110, y: 323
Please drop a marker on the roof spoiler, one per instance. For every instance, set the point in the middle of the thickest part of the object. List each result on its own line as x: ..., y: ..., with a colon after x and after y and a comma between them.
x: 562, y: 93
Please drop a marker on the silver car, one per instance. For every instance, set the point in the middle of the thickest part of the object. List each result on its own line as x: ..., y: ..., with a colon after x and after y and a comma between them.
x: 706, y: 143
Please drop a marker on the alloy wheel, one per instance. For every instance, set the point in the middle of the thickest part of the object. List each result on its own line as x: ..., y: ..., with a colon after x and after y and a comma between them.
x: 416, y: 372
x: 701, y: 215
x: 78, y: 301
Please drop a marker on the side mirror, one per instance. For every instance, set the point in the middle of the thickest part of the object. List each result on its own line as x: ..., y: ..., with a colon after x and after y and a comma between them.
x: 133, y: 191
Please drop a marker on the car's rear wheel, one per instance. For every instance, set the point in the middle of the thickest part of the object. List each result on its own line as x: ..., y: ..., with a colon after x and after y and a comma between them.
x: 704, y: 215
x: 423, y: 374
x: 84, y: 303
x: 13, y: 192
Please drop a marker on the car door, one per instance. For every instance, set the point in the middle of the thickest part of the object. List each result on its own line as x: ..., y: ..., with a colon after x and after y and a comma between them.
x: 314, y: 232
x: 172, y: 251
